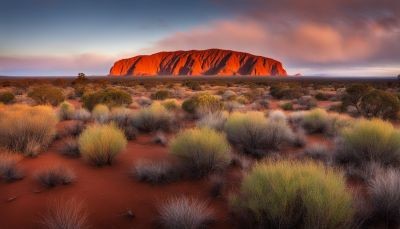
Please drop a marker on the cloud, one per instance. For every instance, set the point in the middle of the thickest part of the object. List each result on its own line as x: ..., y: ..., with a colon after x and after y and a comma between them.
x: 93, y: 64
x: 303, y: 33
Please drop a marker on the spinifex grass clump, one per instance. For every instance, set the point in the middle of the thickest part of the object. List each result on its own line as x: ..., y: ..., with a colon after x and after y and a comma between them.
x: 110, y: 97
x: 100, y: 144
x: 182, y: 212
x: 70, y: 214
x: 289, y: 194
x: 101, y: 113
x: 152, y: 118
x: 27, y: 129
x: 201, y: 151
x: 254, y: 134
x: 66, y: 111
x: 369, y: 141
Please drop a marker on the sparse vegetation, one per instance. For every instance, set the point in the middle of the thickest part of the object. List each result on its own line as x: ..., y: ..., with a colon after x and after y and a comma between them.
x: 111, y: 97
x: 289, y: 194
x: 101, y: 113
x: 55, y: 176
x: 155, y: 172
x: 202, y: 103
x: 6, y: 97
x: 66, y: 111
x: 61, y: 214
x: 183, y: 212
x: 201, y: 151
x: 9, y: 170
x: 27, y: 129
x: 152, y: 118
x: 369, y: 141
x: 316, y: 121
x: 100, y: 144
x: 254, y: 134
x: 47, y: 94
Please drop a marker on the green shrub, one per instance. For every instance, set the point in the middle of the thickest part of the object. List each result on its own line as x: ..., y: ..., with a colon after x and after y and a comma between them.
x: 27, y: 129
x: 152, y: 118
x: 289, y: 194
x: 353, y: 95
x: 287, y: 106
x: 286, y: 92
x: 170, y: 104
x: 195, y: 86
x: 47, y: 94
x: 6, y: 97
x: 100, y: 144
x: 254, y: 134
x: 101, y: 113
x: 66, y: 111
x: 378, y: 103
x: 316, y: 121
x: 202, y: 103
x: 201, y: 151
x: 110, y: 97
x: 369, y: 141
x: 160, y: 95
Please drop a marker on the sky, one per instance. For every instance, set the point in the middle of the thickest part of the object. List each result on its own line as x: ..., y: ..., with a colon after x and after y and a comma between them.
x: 310, y: 37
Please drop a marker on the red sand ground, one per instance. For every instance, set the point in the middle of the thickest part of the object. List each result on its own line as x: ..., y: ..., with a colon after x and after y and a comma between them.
x: 109, y: 191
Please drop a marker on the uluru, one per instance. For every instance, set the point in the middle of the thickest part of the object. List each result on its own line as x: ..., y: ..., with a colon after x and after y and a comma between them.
x: 198, y: 63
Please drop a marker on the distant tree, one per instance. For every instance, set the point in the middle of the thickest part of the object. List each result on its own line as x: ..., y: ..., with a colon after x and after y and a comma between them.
x: 80, y: 79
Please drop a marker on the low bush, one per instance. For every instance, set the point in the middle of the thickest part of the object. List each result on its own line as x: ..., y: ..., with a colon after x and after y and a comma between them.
x: 6, y: 97
x: 195, y: 86
x: 214, y: 121
x: 123, y: 118
x: 254, y: 134
x: 201, y: 151
x: 384, y: 200
x: 55, y: 176
x: 277, y: 116
x: 318, y: 152
x: 202, y: 103
x: 316, y: 121
x: 378, y: 103
x: 27, y: 129
x: 287, y: 106
x: 110, y: 97
x: 161, y: 95
x: 353, y: 95
x: 100, y: 113
x: 47, y: 94
x: 70, y: 148
x: 286, y: 92
x: 170, y: 104
x: 369, y: 141
x: 155, y: 172
x: 182, y: 212
x: 66, y: 111
x: 152, y: 118
x: 9, y: 170
x: 62, y: 214
x: 82, y: 114
x: 290, y: 194
x: 100, y: 144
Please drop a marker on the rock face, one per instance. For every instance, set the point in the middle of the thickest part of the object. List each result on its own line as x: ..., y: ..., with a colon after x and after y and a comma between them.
x: 198, y: 63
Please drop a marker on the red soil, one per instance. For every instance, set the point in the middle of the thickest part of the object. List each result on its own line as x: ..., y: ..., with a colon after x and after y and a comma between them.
x: 107, y: 192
